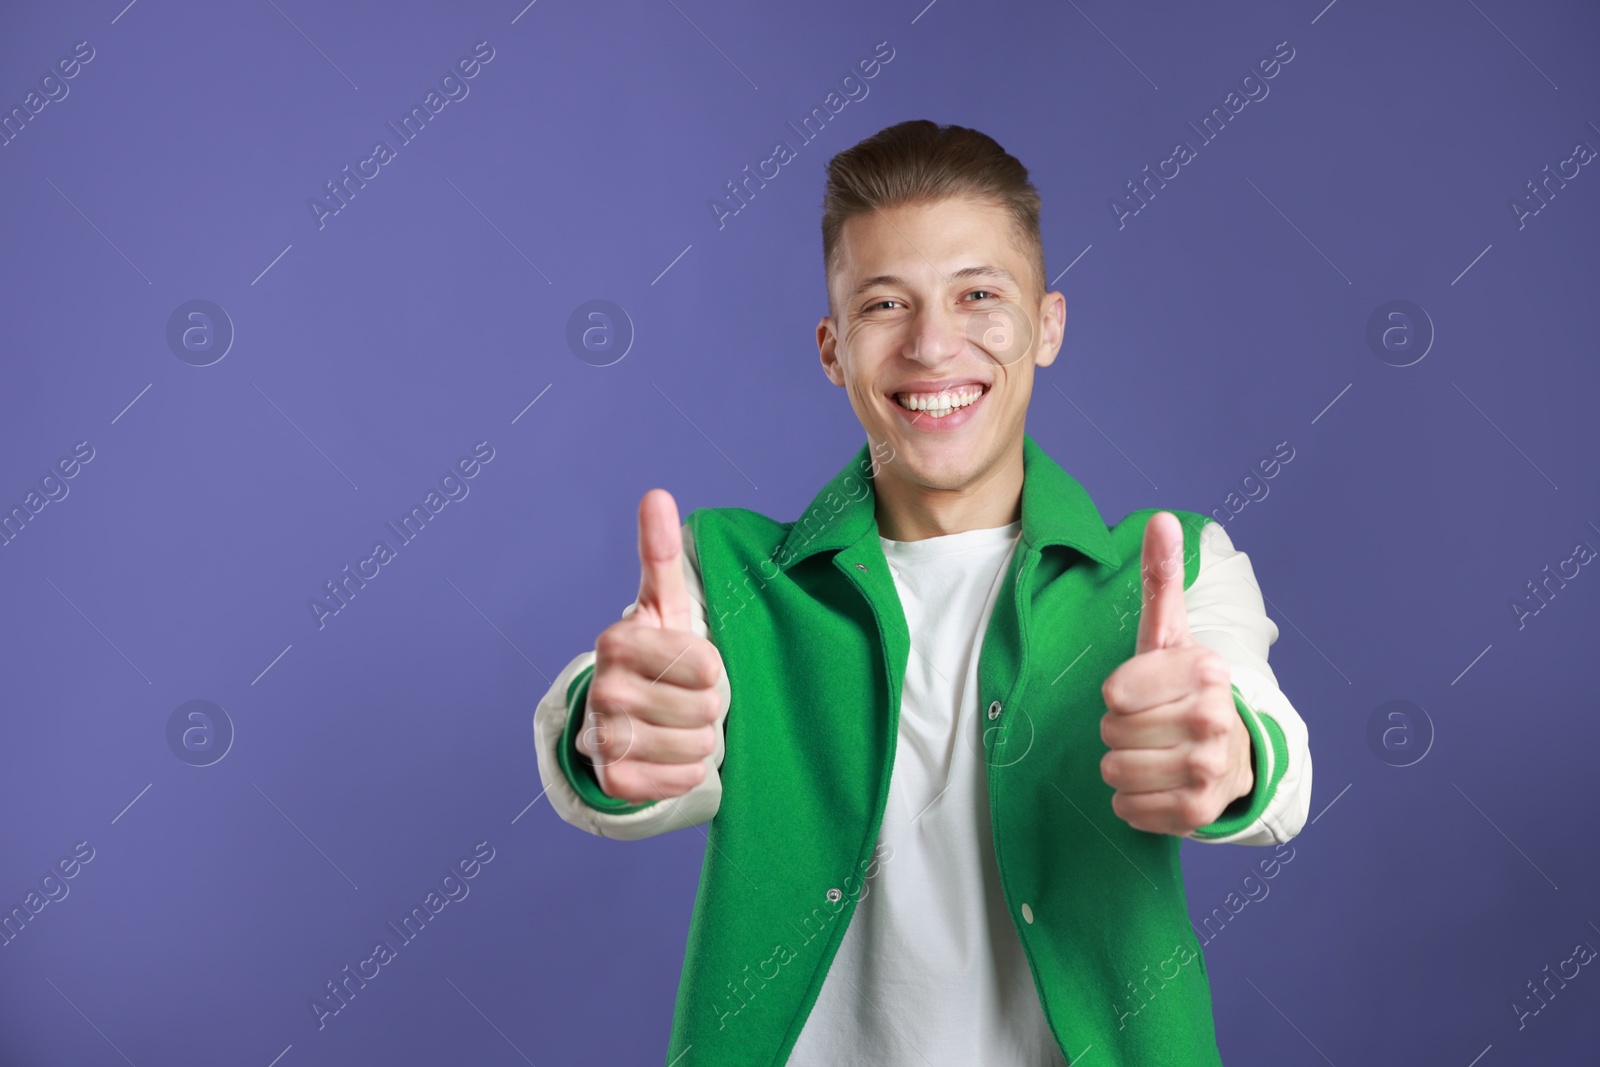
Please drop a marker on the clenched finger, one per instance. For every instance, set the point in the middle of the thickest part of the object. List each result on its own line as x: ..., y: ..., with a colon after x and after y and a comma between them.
x: 626, y: 694
x: 1163, y: 675
x: 1157, y: 770
x: 1159, y: 727
x: 662, y: 656
x: 636, y: 781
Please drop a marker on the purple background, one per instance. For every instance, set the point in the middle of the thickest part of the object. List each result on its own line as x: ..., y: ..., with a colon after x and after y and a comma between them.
x: 432, y: 310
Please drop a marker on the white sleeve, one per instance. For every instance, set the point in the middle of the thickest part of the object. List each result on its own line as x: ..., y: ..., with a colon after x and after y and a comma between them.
x: 550, y: 721
x: 1227, y: 615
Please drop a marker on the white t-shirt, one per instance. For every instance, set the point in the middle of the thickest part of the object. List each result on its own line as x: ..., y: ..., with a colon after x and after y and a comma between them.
x: 896, y: 988
x: 931, y: 972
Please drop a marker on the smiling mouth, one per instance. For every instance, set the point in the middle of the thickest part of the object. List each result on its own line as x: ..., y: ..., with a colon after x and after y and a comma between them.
x: 938, y: 405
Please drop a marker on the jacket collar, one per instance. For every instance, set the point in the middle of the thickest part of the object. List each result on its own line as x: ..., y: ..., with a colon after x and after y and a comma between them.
x: 1056, y: 510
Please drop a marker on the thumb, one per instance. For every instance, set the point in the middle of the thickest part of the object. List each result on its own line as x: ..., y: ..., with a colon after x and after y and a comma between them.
x: 662, y: 591
x: 1163, y: 622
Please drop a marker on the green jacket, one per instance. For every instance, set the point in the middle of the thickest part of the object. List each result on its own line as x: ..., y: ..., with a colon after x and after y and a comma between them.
x: 809, y: 625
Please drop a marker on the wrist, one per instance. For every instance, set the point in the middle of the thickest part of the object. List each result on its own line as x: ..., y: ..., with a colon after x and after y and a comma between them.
x: 1247, y: 774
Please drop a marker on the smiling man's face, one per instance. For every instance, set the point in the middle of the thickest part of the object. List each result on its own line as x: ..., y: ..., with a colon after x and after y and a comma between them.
x: 935, y: 307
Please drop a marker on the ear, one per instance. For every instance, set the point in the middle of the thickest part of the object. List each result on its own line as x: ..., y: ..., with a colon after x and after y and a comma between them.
x: 1052, y: 327
x: 828, y: 351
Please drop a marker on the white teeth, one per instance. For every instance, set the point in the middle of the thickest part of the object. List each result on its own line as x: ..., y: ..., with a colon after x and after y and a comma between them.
x: 939, y: 405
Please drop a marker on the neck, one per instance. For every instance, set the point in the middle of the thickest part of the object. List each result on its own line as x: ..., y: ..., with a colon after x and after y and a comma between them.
x: 907, y: 511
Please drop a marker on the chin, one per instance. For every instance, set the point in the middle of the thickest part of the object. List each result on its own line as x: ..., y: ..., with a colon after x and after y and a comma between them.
x: 939, y: 464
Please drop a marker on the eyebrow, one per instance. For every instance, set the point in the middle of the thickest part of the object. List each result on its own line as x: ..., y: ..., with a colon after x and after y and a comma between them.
x: 979, y: 271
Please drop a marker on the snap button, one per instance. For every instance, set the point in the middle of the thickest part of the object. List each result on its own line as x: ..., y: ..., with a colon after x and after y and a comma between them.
x: 1027, y: 915
x: 834, y: 895
x: 994, y: 710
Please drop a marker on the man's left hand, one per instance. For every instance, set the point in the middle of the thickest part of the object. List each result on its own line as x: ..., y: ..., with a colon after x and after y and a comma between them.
x: 1180, y: 753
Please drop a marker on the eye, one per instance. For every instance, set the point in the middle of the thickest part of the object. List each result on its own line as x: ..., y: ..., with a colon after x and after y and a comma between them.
x: 989, y: 294
x: 885, y: 300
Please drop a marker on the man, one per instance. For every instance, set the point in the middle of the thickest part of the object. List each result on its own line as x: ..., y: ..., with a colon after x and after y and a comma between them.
x: 948, y: 728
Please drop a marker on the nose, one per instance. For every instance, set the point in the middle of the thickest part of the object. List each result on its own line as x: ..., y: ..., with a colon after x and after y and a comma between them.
x: 938, y: 336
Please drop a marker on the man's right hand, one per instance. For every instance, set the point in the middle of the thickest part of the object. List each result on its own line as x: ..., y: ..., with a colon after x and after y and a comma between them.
x: 652, y: 707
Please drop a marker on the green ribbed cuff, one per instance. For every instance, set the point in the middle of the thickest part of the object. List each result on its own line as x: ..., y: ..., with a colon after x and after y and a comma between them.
x: 577, y: 767
x: 1264, y: 732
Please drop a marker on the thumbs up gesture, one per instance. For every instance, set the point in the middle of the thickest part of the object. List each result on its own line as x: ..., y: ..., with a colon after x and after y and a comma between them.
x: 652, y: 708
x: 1179, y: 753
